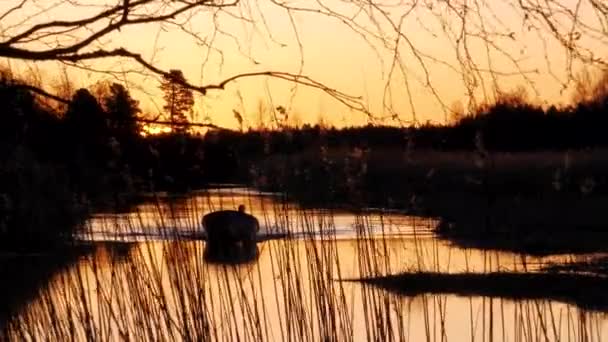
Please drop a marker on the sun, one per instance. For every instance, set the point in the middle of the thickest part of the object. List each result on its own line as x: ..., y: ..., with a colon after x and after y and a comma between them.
x: 148, y: 130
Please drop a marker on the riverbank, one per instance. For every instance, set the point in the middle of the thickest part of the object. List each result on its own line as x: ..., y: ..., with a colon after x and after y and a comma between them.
x: 534, y: 202
x: 23, y: 274
x: 44, y: 203
x: 508, y: 285
x: 566, y: 223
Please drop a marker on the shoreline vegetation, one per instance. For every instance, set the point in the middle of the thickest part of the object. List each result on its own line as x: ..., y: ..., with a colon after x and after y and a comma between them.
x: 24, y: 274
x: 536, y: 202
x: 509, y: 175
x: 564, y: 287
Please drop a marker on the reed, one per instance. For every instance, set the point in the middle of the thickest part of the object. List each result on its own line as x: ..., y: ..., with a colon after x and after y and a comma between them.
x: 160, y: 285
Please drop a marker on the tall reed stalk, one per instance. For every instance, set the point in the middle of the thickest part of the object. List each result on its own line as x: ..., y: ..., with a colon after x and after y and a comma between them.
x: 162, y: 288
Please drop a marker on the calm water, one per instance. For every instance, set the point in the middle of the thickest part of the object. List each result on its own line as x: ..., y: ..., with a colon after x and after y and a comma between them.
x: 160, y: 284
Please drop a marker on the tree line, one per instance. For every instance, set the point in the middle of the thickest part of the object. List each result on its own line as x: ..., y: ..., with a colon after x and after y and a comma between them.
x: 92, y: 151
x: 58, y: 162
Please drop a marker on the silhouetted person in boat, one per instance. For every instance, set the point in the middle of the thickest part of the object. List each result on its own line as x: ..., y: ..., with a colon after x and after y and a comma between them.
x: 230, y: 229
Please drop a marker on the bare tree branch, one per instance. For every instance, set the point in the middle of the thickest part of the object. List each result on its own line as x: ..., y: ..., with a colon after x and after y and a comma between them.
x: 155, y: 121
x: 42, y: 92
x: 481, y: 44
x: 12, y: 9
x: 173, y: 124
x: 119, y: 16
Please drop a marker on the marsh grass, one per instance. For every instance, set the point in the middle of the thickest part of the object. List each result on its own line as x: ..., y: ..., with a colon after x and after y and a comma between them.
x: 162, y: 288
x: 393, y: 170
x: 586, y: 291
x: 596, y: 265
x: 537, y: 202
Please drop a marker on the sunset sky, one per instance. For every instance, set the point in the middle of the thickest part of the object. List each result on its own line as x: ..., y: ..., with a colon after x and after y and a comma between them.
x: 329, y: 51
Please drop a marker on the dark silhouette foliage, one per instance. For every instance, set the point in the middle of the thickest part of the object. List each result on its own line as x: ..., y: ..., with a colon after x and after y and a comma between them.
x: 122, y: 111
x: 179, y: 99
x: 86, y: 123
x: 94, y: 152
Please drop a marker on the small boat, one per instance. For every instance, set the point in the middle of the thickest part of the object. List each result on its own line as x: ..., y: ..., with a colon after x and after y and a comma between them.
x: 228, y: 228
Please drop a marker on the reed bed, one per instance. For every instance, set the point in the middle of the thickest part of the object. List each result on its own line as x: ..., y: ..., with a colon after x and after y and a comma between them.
x: 162, y: 286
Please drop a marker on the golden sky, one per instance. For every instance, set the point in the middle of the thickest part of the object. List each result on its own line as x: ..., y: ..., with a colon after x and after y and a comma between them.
x: 328, y: 50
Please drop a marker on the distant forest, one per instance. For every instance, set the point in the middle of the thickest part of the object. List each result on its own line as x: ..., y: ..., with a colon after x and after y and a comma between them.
x: 94, y: 142
x: 91, y: 150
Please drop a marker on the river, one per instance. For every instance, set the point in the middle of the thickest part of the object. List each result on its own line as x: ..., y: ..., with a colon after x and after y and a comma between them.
x: 151, y: 279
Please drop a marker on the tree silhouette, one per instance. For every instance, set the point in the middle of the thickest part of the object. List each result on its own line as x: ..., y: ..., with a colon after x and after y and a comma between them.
x: 80, y: 35
x: 179, y: 99
x: 122, y: 112
x: 87, y: 129
x: 84, y: 116
x: 18, y: 108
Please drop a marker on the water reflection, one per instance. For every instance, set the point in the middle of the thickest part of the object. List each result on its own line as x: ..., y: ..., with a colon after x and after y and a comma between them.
x: 167, y: 291
x: 166, y: 287
x: 180, y: 218
x: 232, y: 254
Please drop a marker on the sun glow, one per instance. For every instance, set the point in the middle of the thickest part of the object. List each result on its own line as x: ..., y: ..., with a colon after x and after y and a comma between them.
x: 154, y: 130
x: 406, y: 70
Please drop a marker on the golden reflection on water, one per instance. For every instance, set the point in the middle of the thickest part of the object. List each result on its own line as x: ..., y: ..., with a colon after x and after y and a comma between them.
x: 167, y: 291
x: 159, y: 289
x: 164, y: 218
